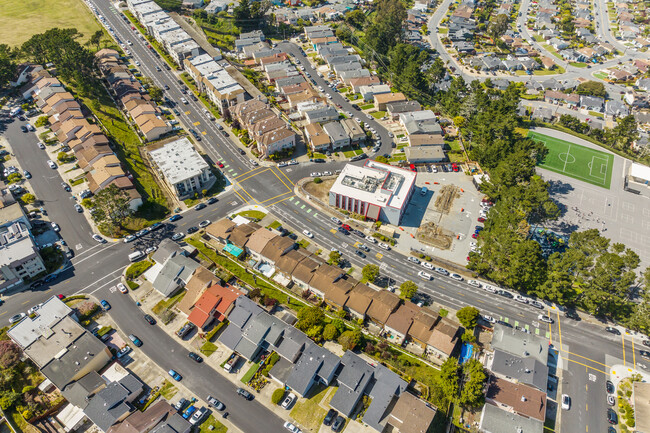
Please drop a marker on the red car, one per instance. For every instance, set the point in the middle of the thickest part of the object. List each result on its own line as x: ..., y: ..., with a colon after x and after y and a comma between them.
x: 481, y: 219
x: 60, y: 296
x: 412, y: 167
x: 474, y: 235
x: 220, y: 164
x: 454, y: 167
x: 347, y: 227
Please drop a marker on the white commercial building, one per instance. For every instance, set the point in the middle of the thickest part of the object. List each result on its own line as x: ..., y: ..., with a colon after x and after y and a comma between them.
x: 182, y: 167
x: 378, y: 191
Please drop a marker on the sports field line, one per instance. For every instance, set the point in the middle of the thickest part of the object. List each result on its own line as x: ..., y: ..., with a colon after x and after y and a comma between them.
x: 566, y: 158
x: 591, y: 167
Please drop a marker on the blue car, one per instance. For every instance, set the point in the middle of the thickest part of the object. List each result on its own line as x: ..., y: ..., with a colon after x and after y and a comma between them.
x: 105, y: 305
x: 177, y: 377
x: 155, y: 226
x: 175, y: 218
x: 189, y: 411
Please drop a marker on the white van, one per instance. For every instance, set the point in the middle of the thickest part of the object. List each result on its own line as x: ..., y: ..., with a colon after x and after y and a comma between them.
x: 133, y: 257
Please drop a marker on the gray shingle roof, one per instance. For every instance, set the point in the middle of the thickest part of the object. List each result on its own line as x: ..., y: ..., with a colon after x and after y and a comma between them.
x: 353, y: 380
x: 109, y: 404
x: 495, y: 420
x: 526, y: 370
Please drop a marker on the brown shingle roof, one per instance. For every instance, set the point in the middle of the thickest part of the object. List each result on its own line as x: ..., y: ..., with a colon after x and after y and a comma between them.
x: 200, y: 280
x: 258, y: 240
x: 338, y: 293
x: 288, y: 262
x: 523, y: 399
x: 410, y: 414
x: 221, y: 228
x: 383, y: 304
x: 306, y: 268
x: 240, y: 234
x: 324, y: 277
x: 444, y: 336
x: 422, y: 326
x: 276, y: 247
x: 360, y: 299
x: 402, y: 319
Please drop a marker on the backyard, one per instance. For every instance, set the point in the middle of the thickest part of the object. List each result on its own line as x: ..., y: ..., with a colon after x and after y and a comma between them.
x: 309, y: 412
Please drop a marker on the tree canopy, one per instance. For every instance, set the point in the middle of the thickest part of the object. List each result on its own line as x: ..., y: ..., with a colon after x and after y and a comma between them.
x: 110, y: 207
x: 8, y: 64
x: 370, y: 272
x: 408, y: 289
x: 385, y: 31
x: 468, y: 317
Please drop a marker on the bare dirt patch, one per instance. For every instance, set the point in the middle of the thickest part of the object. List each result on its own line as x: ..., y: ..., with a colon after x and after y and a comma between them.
x: 432, y: 234
x: 446, y: 197
x: 321, y: 190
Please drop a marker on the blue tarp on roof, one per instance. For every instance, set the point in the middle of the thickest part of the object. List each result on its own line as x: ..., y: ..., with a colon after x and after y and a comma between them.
x: 466, y: 352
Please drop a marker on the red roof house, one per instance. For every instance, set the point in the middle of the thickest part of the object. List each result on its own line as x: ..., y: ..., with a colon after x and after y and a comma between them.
x: 215, y: 303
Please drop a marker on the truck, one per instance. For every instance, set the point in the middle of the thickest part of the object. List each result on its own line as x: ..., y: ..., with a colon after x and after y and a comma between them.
x: 232, y: 363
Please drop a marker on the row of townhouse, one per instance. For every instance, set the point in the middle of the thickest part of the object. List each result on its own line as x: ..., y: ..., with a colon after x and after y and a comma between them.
x: 78, y: 364
x: 271, y: 134
x: 252, y: 332
x: 212, y: 79
x: 401, y: 320
x: 176, y: 41
x: 68, y: 121
x: 128, y: 92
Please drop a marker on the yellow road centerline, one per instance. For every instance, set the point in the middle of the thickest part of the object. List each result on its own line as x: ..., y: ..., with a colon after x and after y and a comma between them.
x: 252, y: 175
x: 559, y: 328
x: 279, y: 195
x: 283, y: 183
x: 587, y: 366
x: 623, y: 343
x: 240, y: 196
x: 281, y: 200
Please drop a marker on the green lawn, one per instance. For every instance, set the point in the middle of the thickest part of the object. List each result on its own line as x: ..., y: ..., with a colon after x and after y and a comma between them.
x: 378, y: 114
x: 168, y: 390
x: 600, y: 75
x: 367, y: 106
x: 211, y: 425
x: 579, y: 162
x: 308, y: 412
x: 250, y: 373
x: 208, y: 348
x: 168, y: 303
x: 351, y: 153
x: 20, y: 21
x: 274, y: 225
x: 252, y: 214
x: 128, y: 151
x: 578, y: 64
x: 319, y: 155
x: 597, y: 114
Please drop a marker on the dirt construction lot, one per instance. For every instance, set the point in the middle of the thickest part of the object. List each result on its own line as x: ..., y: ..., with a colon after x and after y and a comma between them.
x: 448, y: 211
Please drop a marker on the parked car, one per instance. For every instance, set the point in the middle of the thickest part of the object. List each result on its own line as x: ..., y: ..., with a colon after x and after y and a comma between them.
x: 195, y: 357
x: 288, y: 401
x: 215, y: 403
x: 330, y: 417
x: 247, y: 395
x: 198, y: 415
x: 180, y: 404
x: 338, y: 423
x: 105, y: 305
x: 566, y: 402
x: 135, y: 340
x: 613, y: 330
x: 612, y: 418
x: 292, y: 428
x: 200, y: 206
x: 17, y: 318
x: 174, y: 374
x: 175, y: 218
x: 609, y: 386
x: 188, y: 412
x: 150, y: 320
x: 186, y: 329
x: 307, y: 233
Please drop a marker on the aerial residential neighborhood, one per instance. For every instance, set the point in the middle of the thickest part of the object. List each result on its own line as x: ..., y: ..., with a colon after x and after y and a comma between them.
x: 335, y: 215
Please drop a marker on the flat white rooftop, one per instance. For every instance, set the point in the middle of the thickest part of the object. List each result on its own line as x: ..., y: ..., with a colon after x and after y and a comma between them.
x: 178, y: 161
x: 29, y: 330
x: 640, y: 171
x: 375, y: 183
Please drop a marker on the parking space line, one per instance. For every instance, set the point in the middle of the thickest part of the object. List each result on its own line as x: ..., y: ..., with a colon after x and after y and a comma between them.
x: 303, y: 206
x: 309, y: 210
x: 315, y: 215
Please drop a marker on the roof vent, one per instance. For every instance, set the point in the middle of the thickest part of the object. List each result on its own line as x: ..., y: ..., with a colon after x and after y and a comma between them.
x: 523, y: 398
x: 526, y: 353
x: 76, y: 363
x: 527, y: 370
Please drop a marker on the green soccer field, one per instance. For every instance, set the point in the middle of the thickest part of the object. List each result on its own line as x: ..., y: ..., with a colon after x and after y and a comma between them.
x: 579, y: 162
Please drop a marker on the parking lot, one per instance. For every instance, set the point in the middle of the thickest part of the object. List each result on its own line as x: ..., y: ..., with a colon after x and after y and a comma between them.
x: 456, y: 224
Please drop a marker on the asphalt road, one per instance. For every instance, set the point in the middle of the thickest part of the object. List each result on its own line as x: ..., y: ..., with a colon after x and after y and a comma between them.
x: 586, y: 350
x: 203, y: 380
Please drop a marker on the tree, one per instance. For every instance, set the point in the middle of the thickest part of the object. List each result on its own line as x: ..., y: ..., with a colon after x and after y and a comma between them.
x: 468, y: 337
x: 155, y: 92
x: 42, y: 121
x: 350, y: 339
x: 277, y: 396
x: 625, y: 133
x: 447, y: 380
x: 96, y: 39
x: 468, y: 317
x: 334, y: 258
x: 370, y: 272
x: 330, y: 332
x: 592, y: 88
x: 8, y: 64
x: 10, y: 354
x: 14, y: 177
x: 408, y: 289
x: 386, y: 28
x: 497, y: 28
x: 315, y: 333
x: 356, y: 18
x: 309, y: 317
x: 471, y: 394
x: 28, y: 198
x: 111, y: 207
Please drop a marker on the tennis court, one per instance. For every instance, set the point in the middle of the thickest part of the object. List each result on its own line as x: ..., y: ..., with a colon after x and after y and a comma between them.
x: 574, y: 160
